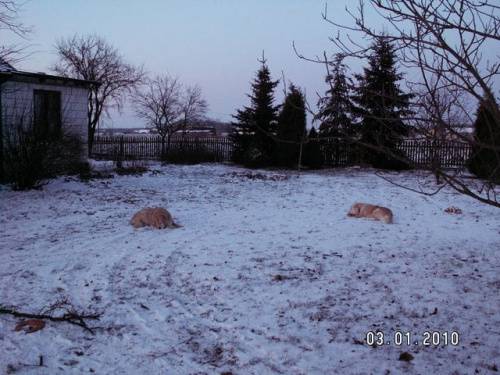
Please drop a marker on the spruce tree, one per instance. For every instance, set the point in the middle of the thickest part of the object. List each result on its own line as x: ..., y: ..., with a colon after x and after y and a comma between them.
x: 255, y: 127
x: 381, y: 105
x: 242, y: 132
x: 485, y: 159
x: 291, y: 128
x: 335, y: 107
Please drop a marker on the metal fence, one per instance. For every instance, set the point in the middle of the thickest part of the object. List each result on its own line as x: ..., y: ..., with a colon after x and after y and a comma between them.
x: 336, y: 152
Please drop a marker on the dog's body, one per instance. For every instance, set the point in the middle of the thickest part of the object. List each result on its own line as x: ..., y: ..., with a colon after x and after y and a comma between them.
x: 156, y: 217
x: 371, y: 211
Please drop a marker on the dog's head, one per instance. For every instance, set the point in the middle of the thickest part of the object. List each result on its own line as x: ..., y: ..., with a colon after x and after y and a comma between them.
x: 160, y: 225
x: 354, y: 210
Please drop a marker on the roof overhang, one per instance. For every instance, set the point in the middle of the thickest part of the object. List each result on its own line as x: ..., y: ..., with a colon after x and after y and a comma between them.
x: 42, y: 78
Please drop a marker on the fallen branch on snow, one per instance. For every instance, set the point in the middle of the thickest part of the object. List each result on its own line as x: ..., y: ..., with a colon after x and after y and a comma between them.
x: 69, y: 314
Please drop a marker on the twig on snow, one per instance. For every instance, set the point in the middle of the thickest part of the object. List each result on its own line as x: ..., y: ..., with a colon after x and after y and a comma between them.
x: 69, y: 315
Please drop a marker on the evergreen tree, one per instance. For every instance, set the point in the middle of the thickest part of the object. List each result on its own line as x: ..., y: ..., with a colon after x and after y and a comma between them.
x: 381, y: 105
x: 242, y: 132
x: 485, y: 159
x: 335, y: 106
x: 255, y: 127
x: 291, y: 128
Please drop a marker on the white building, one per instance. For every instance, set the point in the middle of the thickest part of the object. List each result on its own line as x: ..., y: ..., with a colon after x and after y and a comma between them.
x: 51, y: 103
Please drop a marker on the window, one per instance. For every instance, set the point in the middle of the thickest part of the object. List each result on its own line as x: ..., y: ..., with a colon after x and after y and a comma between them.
x: 47, y: 112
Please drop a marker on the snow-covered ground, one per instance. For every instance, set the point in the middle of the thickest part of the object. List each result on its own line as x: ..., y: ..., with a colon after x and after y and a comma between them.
x: 267, y: 276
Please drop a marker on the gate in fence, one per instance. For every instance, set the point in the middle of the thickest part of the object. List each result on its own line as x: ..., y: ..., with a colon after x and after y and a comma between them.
x: 336, y: 152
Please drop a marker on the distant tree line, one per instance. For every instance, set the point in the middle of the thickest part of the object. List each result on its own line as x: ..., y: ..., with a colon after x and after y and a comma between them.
x: 370, y: 112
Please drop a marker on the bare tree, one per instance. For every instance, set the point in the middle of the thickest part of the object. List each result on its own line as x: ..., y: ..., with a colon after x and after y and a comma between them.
x: 92, y: 58
x: 169, y: 107
x: 440, y: 115
x: 445, y: 42
x: 194, y: 108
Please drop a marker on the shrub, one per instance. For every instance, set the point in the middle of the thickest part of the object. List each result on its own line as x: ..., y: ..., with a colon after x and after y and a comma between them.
x: 256, y: 157
x: 195, y: 154
x: 32, y: 158
x: 392, y: 159
x: 312, y: 156
x: 485, y: 159
x: 132, y: 168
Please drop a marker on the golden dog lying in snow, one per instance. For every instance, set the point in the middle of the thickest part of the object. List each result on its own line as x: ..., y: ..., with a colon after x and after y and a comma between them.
x: 371, y: 211
x: 153, y: 216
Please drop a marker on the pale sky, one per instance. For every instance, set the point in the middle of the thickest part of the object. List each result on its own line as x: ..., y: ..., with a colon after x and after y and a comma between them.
x: 213, y: 43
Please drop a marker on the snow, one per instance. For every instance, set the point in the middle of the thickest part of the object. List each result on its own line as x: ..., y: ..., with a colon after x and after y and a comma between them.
x: 267, y: 275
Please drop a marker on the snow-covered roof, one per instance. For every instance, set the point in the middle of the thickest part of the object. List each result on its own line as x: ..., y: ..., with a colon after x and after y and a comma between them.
x: 8, y: 72
x: 5, y: 66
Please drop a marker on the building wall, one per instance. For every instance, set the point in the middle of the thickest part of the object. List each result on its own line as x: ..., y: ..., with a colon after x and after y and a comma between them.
x: 17, y: 103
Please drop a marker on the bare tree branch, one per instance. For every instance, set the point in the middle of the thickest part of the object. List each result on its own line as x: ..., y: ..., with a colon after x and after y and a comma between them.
x: 444, y: 44
x: 168, y: 106
x: 92, y: 58
x: 69, y: 314
x: 9, y: 20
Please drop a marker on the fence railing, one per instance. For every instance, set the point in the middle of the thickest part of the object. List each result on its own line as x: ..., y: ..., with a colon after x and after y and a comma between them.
x: 336, y: 152
x: 145, y: 147
x: 445, y: 154
x: 420, y: 152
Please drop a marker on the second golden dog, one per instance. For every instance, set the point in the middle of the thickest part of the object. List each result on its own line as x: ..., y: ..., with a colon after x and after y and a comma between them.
x: 371, y: 211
